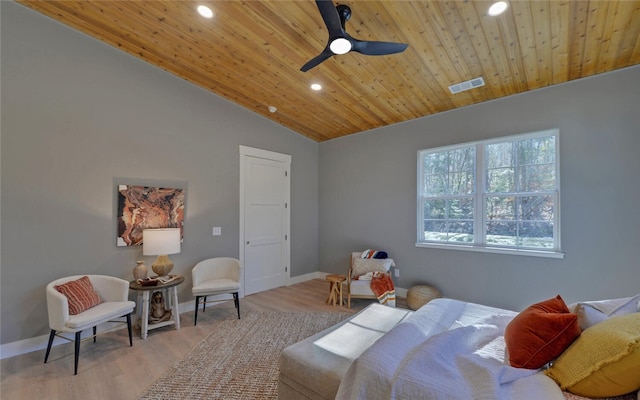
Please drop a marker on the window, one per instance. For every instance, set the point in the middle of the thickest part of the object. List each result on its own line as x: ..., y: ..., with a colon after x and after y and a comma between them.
x: 498, y: 195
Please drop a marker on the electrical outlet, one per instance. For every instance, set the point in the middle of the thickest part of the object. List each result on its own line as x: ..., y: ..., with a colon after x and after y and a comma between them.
x: 396, y: 273
x: 217, y: 231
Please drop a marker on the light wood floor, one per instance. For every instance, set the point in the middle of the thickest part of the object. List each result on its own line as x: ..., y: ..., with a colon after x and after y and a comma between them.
x: 110, y: 369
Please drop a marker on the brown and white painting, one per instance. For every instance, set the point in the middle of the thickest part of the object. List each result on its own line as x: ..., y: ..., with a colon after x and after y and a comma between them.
x: 144, y: 207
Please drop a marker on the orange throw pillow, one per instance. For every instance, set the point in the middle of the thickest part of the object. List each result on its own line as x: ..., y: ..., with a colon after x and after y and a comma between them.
x: 80, y: 295
x: 540, y: 333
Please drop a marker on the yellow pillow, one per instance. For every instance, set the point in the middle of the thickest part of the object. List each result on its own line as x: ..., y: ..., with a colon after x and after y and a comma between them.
x: 604, y: 361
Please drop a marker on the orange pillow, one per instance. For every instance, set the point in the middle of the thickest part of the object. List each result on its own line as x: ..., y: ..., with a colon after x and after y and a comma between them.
x: 540, y: 333
x: 80, y: 295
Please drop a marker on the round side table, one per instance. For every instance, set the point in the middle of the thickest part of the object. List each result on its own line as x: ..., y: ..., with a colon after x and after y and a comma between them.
x: 171, y: 301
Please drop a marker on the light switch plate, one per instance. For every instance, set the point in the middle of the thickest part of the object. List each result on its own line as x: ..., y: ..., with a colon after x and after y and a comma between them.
x: 217, y: 231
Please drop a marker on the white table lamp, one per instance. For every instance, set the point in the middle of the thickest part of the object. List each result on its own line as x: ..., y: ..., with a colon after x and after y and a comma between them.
x: 161, y: 243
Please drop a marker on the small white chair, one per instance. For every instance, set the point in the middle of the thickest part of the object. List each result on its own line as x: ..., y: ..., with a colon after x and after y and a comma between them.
x: 361, y: 289
x: 114, y: 293
x: 216, y: 276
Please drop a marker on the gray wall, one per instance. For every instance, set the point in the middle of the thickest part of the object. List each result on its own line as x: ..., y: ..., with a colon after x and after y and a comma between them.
x: 78, y: 117
x: 368, y: 195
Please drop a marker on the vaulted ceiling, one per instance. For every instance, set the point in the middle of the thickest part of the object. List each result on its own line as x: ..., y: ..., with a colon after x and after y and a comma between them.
x: 251, y: 52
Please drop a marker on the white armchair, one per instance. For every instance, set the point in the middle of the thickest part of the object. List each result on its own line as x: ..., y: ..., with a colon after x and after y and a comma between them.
x: 114, y: 293
x: 216, y: 276
x: 361, y: 289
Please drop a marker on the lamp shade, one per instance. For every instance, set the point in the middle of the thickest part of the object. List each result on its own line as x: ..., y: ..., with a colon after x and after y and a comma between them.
x: 160, y: 241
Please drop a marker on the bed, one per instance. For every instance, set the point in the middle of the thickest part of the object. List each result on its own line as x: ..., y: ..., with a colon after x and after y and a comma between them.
x: 313, y: 368
x: 447, y: 349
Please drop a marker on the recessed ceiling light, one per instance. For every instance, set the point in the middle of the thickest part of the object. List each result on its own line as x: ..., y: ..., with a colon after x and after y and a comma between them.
x: 316, y: 86
x: 498, y: 8
x: 205, y: 11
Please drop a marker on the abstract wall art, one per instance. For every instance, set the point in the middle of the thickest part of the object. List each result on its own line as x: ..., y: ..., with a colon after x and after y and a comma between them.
x: 145, y: 207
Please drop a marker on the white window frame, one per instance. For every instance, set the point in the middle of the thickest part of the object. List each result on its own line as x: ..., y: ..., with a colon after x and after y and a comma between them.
x: 480, y: 211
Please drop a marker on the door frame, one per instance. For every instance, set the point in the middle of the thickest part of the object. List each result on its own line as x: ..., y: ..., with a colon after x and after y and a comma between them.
x: 246, y: 152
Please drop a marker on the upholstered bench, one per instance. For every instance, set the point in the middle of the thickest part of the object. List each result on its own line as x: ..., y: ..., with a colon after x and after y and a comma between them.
x: 313, y: 368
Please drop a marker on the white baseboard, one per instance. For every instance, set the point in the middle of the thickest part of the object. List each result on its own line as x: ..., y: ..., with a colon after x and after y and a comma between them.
x: 24, y: 346
x: 307, y: 277
x: 37, y: 343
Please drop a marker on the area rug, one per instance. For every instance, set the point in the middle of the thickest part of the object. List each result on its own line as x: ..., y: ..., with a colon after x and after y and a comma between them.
x: 239, y: 359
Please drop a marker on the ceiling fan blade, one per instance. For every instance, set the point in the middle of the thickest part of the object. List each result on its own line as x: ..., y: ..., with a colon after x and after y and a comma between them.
x: 331, y: 18
x: 371, y: 48
x: 326, y: 53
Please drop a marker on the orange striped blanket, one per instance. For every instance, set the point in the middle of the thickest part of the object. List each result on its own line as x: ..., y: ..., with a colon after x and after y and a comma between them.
x: 382, y: 287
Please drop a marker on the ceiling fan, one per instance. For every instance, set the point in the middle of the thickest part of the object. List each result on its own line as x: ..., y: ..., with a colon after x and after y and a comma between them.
x: 340, y: 42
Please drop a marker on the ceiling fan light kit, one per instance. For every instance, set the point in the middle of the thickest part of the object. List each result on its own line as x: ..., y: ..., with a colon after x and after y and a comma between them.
x: 340, y: 42
x: 340, y: 46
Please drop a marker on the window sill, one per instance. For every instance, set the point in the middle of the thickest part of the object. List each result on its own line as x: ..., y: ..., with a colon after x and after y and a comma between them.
x: 496, y: 250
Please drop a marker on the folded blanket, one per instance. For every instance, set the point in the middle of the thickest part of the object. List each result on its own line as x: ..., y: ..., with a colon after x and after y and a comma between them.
x: 382, y: 287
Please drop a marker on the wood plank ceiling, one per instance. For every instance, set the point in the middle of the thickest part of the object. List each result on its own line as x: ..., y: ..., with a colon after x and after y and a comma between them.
x: 251, y: 52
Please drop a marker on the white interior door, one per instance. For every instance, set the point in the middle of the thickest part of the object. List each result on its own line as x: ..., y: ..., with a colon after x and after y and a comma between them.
x: 264, y: 196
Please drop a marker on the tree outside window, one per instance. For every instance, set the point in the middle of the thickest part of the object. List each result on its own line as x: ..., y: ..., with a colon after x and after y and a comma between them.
x: 501, y: 193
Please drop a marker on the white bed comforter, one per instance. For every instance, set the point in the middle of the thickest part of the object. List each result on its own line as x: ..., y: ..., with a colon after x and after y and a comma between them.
x: 446, y: 350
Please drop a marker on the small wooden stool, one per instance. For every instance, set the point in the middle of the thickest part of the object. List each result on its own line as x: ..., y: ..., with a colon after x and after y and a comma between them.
x: 335, y: 288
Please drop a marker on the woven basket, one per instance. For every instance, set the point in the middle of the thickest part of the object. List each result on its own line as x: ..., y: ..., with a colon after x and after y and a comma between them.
x: 419, y: 295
